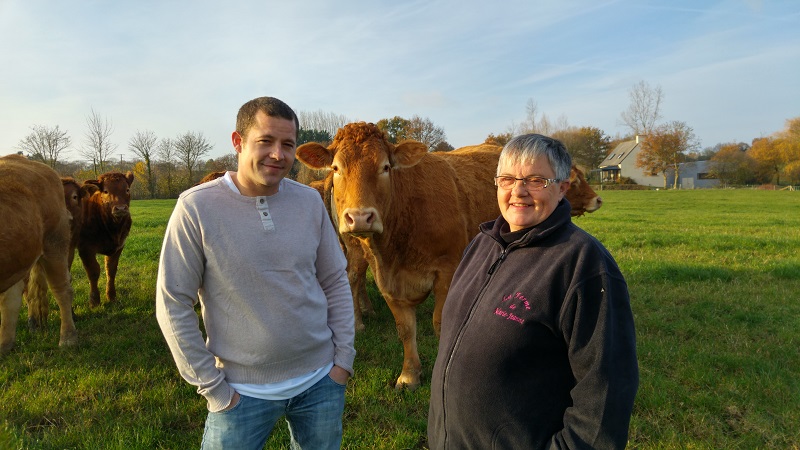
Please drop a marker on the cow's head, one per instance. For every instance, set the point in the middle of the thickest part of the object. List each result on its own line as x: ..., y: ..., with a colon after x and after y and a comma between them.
x: 114, y: 191
x: 580, y: 195
x: 362, y: 161
x: 74, y: 196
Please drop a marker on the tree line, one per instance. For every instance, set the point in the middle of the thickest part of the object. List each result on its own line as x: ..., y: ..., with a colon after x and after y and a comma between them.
x: 165, y: 166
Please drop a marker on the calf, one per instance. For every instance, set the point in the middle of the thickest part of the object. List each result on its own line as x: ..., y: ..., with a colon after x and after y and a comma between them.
x: 106, y: 224
x: 35, y: 236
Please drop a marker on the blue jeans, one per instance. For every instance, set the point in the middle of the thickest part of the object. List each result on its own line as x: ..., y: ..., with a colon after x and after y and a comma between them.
x: 314, y: 418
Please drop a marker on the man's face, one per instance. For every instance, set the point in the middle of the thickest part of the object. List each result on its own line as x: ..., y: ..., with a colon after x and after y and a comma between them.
x: 266, y: 154
x: 523, y: 208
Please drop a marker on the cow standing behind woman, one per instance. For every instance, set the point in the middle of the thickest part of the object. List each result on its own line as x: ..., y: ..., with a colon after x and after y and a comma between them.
x: 106, y: 224
x: 35, y: 235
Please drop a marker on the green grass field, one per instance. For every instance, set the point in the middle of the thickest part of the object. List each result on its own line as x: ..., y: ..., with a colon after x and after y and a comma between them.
x: 714, y: 278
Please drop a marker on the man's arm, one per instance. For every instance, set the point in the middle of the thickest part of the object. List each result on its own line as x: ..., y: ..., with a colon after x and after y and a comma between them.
x: 180, y: 275
x: 332, y: 276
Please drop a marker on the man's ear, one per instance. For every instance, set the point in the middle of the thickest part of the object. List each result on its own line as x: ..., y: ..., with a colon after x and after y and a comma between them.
x: 236, y: 139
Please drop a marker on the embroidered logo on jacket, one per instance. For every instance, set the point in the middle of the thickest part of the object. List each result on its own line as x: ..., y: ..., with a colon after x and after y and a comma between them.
x: 511, y: 304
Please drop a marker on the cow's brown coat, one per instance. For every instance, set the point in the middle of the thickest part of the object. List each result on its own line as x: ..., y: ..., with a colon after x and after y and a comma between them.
x: 35, y: 234
x: 413, y: 212
x: 106, y: 224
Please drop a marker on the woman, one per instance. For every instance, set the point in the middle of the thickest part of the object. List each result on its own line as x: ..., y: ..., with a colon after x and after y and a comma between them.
x: 537, y: 348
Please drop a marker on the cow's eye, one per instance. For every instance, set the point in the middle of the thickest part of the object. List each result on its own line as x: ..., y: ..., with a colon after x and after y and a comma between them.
x: 105, y: 192
x: 335, y: 169
x: 386, y: 168
x: 127, y: 191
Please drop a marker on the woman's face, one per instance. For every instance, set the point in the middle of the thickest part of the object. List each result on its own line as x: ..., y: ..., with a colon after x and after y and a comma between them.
x: 523, y: 208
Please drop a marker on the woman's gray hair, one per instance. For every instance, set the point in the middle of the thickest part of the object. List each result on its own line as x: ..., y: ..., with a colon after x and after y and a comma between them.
x: 525, y: 148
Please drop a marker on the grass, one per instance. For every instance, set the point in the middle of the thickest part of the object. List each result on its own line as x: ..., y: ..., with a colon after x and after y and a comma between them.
x: 714, y: 278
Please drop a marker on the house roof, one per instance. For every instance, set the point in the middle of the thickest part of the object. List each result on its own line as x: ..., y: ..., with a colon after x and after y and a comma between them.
x: 620, y: 152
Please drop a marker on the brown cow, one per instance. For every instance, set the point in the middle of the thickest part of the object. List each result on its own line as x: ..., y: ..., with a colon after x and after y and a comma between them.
x: 38, y: 306
x: 357, y: 263
x: 211, y: 176
x: 580, y: 195
x: 413, y: 211
x: 106, y: 224
x: 75, y: 196
x: 35, y: 236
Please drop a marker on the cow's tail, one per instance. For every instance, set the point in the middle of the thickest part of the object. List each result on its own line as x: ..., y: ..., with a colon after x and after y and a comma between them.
x: 36, y: 297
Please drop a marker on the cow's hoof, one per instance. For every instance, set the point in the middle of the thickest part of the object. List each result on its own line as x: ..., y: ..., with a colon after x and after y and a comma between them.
x: 6, y: 349
x: 33, y: 325
x: 69, y: 340
x: 406, y: 383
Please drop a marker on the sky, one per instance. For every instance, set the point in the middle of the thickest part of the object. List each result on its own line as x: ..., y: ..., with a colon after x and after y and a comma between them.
x: 729, y: 69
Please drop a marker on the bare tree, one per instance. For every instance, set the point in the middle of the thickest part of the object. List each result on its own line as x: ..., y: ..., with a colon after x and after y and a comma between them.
x: 166, y: 156
x: 143, y: 144
x: 189, y: 148
x: 45, y: 144
x: 98, y: 146
x: 534, y: 123
x: 644, y: 109
x: 322, y: 121
x: 423, y: 130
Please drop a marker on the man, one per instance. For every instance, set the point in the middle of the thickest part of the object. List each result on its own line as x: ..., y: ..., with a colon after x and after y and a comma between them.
x: 537, y: 348
x: 259, y: 253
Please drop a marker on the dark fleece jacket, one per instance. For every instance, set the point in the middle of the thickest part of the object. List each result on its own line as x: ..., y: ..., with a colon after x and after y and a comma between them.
x: 537, y: 348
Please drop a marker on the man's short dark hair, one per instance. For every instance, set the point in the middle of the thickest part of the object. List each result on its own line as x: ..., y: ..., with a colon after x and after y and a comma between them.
x: 271, y: 106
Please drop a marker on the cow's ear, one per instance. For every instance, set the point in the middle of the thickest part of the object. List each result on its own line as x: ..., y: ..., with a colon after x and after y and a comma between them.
x: 408, y: 154
x: 88, y: 189
x: 314, y: 155
x: 129, y: 177
x: 98, y: 184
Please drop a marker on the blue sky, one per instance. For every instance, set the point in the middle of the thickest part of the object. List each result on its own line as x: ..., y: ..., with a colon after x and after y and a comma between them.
x: 729, y: 69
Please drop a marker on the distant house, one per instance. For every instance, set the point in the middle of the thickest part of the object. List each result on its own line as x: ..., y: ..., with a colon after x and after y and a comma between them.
x: 621, y: 162
x: 695, y: 175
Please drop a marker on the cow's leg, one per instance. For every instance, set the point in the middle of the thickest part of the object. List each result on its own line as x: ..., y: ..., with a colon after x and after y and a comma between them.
x: 112, y: 261
x: 89, y: 260
x: 10, y: 304
x: 405, y: 318
x: 58, y: 278
x: 357, y: 274
x: 441, y: 285
x: 36, y: 297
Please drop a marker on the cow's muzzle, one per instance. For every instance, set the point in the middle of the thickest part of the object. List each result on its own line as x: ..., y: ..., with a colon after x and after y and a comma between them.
x: 360, y: 220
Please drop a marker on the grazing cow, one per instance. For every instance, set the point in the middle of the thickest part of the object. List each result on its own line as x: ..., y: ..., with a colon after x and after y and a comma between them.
x: 35, y: 236
x: 413, y: 213
x: 106, y: 224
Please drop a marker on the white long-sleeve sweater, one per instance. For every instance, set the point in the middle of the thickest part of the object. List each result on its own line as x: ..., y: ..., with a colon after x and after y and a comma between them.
x: 271, y: 280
